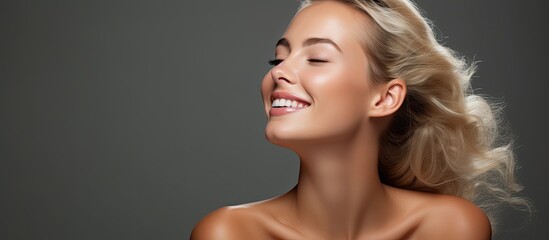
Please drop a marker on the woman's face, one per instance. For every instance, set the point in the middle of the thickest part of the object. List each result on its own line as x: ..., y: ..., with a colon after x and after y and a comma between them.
x: 321, y: 68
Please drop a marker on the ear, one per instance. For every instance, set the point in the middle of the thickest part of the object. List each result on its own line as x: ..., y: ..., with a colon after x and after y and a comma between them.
x: 388, y: 98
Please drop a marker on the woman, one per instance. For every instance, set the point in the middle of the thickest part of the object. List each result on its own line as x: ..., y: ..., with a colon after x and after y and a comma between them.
x: 391, y: 143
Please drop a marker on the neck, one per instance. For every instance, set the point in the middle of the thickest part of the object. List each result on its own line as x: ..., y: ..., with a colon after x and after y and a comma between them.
x: 339, y: 191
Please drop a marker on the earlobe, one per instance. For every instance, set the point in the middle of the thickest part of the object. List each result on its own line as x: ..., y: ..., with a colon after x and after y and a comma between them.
x: 389, y: 99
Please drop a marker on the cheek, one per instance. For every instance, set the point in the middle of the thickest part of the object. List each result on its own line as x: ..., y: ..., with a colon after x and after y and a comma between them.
x: 342, y: 91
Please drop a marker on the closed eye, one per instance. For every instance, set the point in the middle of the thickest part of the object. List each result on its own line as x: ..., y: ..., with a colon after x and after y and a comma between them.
x: 314, y: 60
x: 275, y: 62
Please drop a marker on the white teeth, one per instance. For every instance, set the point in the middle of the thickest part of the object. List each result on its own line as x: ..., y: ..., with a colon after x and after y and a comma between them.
x: 281, y: 102
x: 288, y: 103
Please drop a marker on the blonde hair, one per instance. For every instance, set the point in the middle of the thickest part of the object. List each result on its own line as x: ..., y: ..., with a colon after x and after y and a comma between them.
x: 444, y: 138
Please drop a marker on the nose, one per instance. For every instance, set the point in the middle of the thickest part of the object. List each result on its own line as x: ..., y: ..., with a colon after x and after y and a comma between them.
x: 284, y: 73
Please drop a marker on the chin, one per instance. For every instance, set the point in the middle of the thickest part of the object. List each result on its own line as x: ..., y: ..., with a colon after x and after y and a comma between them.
x: 284, y: 136
x: 294, y: 136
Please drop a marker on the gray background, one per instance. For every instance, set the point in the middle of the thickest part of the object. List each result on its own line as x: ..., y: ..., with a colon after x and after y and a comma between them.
x: 134, y: 119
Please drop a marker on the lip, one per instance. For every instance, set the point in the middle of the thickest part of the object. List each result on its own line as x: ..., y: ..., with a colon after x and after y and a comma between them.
x: 285, y: 110
x: 288, y: 96
x: 281, y: 111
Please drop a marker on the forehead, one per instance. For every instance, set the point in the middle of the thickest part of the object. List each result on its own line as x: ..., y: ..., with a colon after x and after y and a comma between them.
x: 328, y: 19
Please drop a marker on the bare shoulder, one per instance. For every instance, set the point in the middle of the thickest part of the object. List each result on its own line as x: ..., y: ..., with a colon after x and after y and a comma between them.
x: 450, y: 217
x: 258, y: 220
x: 226, y: 223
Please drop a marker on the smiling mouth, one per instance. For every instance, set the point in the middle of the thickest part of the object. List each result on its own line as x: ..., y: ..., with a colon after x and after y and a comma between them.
x: 287, y: 103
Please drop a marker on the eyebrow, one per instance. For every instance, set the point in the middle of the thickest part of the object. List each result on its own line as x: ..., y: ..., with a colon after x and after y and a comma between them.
x: 310, y: 41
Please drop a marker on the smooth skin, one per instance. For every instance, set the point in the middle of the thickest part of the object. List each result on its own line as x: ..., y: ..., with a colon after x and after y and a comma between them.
x: 339, y: 194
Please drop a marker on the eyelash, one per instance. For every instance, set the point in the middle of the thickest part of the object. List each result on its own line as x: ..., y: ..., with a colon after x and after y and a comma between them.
x: 275, y: 62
